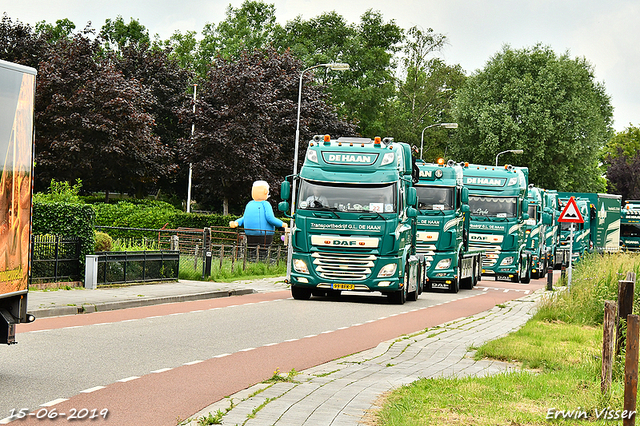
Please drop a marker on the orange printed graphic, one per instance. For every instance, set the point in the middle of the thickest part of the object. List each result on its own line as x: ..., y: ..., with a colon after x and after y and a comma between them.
x: 15, y: 195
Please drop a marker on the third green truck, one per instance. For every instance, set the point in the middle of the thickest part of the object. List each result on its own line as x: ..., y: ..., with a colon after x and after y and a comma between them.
x: 443, y: 228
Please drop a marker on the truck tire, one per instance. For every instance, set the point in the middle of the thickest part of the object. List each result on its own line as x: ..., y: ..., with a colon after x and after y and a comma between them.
x: 399, y: 297
x: 300, y: 293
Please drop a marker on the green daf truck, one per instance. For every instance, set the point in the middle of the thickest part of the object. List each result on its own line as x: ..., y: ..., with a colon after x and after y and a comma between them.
x: 541, y: 229
x: 601, y: 228
x: 443, y: 228
x: 630, y: 225
x: 498, y: 211
x: 17, y: 90
x: 354, y: 220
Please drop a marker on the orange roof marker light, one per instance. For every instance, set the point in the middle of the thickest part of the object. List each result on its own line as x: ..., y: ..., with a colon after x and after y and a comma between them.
x: 441, y: 161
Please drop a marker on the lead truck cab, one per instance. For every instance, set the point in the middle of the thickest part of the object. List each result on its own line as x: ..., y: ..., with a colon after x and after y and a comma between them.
x: 354, y: 220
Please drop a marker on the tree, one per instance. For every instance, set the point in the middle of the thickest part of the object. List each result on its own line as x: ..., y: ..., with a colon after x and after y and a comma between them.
x: 621, y: 157
x: 92, y: 122
x: 19, y: 43
x: 116, y: 34
x: 550, y: 106
x: 245, y: 125
x: 424, y: 92
x: 167, y: 83
x: 245, y: 29
x: 361, y: 93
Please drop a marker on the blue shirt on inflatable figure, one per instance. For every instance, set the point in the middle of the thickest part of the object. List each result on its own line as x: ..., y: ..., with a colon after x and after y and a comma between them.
x: 258, y: 219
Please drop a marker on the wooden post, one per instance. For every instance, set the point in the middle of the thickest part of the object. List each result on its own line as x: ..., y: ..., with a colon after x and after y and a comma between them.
x: 234, y: 253
x: 631, y: 369
x: 608, y: 343
x: 221, y: 255
x: 257, y: 253
x: 278, y: 255
x: 625, y: 305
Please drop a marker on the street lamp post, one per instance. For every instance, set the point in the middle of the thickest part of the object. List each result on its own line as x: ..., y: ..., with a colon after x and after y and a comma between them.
x: 193, y: 128
x: 332, y: 66
x: 445, y: 125
x: 513, y: 151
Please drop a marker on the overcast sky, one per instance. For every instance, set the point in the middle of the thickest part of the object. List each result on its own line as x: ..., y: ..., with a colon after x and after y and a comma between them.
x: 607, y: 34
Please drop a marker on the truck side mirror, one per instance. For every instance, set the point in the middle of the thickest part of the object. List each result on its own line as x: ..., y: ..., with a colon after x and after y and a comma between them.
x: 547, y: 219
x: 283, y: 206
x: 285, y: 191
x: 464, y: 196
x: 525, y: 216
x: 412, y: 197
x: 465, y: 208
x: 411, y: 212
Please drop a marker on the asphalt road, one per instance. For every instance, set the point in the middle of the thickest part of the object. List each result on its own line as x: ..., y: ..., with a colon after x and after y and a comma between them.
x: 156, y: 364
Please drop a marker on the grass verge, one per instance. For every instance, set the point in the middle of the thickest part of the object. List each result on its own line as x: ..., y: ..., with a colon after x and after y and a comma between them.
x: 559, y: 352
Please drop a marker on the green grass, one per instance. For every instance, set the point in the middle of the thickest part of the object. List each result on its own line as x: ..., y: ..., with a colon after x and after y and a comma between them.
x: 231, y: 271
x: 559, y: 351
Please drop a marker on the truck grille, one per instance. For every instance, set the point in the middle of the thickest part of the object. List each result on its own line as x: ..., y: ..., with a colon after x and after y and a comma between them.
x: 343, y: 266
x: 491, y: 254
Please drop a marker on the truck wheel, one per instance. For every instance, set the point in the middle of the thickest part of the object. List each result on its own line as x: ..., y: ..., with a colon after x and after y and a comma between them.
x: 456, y: 282
x: 527, y: 274
x: 420, y: 278
x: 412, y: 296
x: 299, y: 293
x: 399, y: 297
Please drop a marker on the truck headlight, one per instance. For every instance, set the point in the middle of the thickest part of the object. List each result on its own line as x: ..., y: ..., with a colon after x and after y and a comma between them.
x: 312, y: 155
x: 507, y: 261
x: 388, y: 158
x: 388, y: 270
x: 300, y: 266
x: 444, y: 264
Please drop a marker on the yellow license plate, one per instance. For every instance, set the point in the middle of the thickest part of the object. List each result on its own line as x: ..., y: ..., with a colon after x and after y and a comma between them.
x: 343, y: 286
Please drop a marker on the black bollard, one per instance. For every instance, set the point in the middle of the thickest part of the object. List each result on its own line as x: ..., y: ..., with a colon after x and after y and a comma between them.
x: 550, y: 279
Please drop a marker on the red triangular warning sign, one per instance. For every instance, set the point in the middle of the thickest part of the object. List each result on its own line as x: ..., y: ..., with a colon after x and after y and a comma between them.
x: 571, y: 213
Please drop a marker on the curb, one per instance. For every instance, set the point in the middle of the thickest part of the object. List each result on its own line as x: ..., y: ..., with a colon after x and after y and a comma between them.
x: 88, y: 308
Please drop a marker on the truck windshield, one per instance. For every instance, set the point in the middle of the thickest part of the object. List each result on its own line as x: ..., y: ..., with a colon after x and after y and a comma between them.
x: 493, y: 206
x: 435, y: 198
x: 347, y: 197
x: 628, y: 230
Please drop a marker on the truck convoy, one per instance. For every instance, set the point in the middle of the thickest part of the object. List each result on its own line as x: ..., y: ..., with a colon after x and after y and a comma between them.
x: 354, y: 220
x: 601, y: 228
x: 498, y: 212
x: 17, y: 89
x: 443, y: 228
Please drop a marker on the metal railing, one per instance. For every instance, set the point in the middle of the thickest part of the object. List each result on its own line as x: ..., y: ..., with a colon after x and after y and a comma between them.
x: 201, y: 249
x: 137, y: 266
x: 55, y: 258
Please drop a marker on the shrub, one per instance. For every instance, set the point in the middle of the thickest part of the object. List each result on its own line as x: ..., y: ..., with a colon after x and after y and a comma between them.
x: 70, y: 220
x: 104, y: 242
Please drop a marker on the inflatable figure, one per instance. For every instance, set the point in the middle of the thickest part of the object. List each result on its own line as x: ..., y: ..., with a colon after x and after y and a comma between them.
x: 258, y: 219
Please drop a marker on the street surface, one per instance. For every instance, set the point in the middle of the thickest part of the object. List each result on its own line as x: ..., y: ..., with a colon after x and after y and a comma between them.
x: 158, y: 365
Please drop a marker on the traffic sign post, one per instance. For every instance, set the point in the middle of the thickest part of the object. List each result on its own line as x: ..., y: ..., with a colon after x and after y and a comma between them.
x: 571, y: 214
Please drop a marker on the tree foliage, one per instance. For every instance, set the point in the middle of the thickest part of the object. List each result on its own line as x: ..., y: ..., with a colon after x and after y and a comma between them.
x: 19, y: 43
x: 548, y: 105
x: 361, y: 93
x: 244, y: 125
x: 92, y: 122
x: 621, y: 157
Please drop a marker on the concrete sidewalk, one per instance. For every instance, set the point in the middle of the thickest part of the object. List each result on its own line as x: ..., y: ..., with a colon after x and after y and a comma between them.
x: 77, y: 301
x: 342, y: 392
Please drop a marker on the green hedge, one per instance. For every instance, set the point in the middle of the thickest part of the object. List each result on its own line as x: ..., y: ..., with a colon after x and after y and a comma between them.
x: 155, y: 215
x: 70, y: 220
